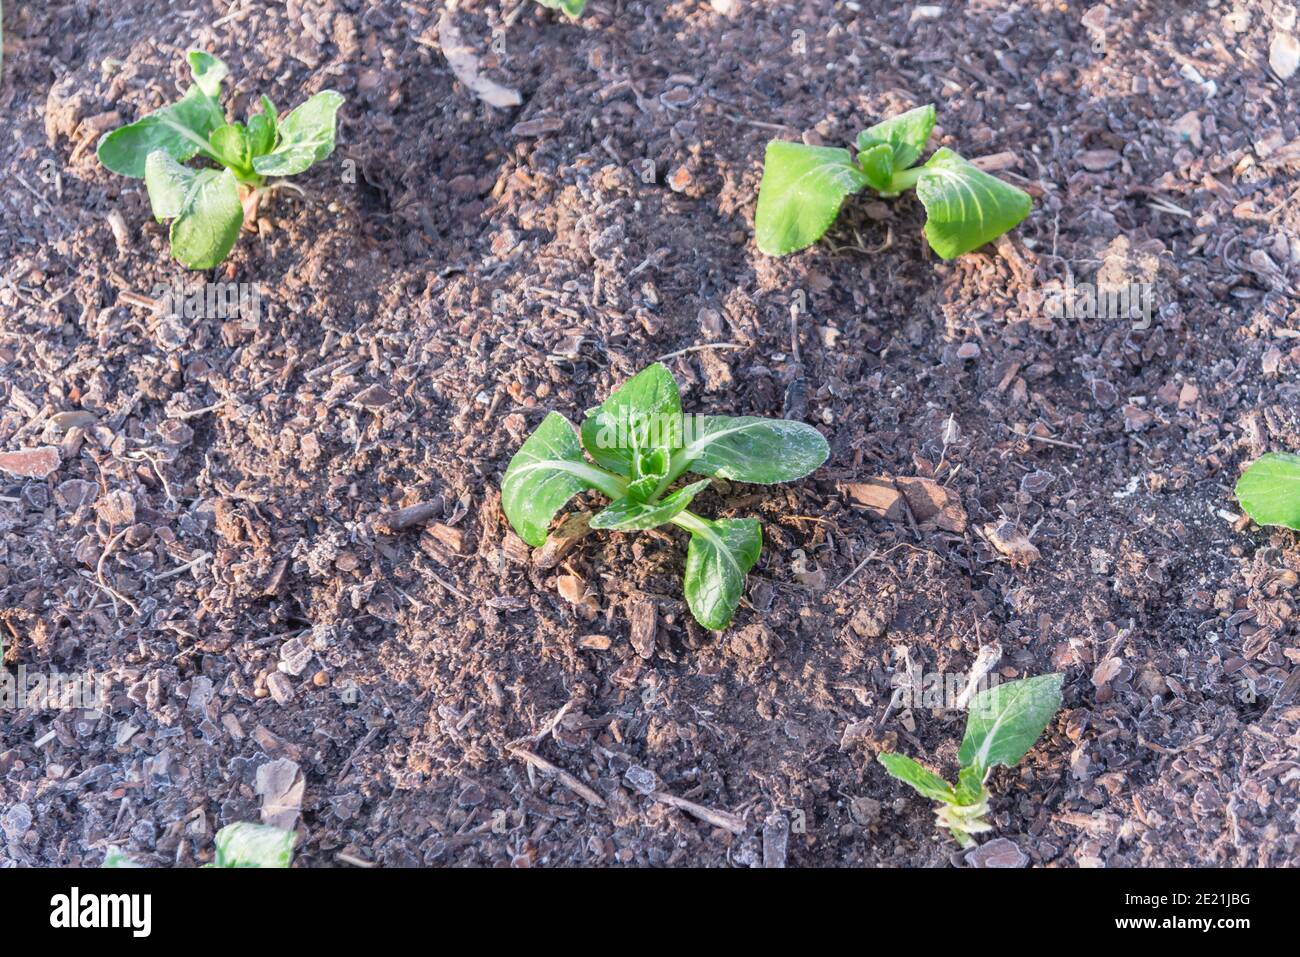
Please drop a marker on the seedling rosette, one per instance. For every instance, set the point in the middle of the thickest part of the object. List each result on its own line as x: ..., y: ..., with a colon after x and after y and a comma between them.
x: 1002, y: 725
x: 804, y: 187
x: 640, y: 444
x: 207, y: 206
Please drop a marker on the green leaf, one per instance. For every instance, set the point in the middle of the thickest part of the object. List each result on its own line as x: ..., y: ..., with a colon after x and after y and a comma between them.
x: 181, y: 130
x: 168, y: 183
x: 626, y: 513
x: 750, y: 449
x: 922, y: 779
x: 306, y: 136
x: 114, y: 857
x: 970, y: 785
x: 261, y: 134
x: 573, y: 8
x: 877, y: 164
x: 720, y: 554
x: 254, y: 845
x: 1269, y: 490
x: 544, y: 474
x: 231, y: 144
x: 643, y: 414
x: 1005, y: 721
x: 966, y: 207
x: 208, y: 72
x: 801, y: 193
x: 905, y: 135
x: 204, y: 232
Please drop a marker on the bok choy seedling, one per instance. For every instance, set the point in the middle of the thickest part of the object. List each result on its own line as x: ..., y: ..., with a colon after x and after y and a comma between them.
x: 640, y: 444
x: 803, y: 188
x: 207, y: 206
x: 1001, y: 726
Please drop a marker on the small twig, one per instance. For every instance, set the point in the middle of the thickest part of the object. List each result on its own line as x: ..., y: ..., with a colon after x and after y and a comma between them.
x: 561, y: 775
x: 99, y: 574
x: 699, y: 348
x: 201, y: 557
x: 551, y: 725
x: 723, y: 819
x: 450, y: 587
x: 1042, y: 438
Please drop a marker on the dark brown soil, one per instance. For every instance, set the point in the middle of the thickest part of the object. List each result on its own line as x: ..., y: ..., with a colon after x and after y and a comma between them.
x: 488, y: 265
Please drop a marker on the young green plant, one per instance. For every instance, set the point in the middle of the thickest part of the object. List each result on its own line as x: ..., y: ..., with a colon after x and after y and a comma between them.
x: 640, y: 444
x: 242, y: 844
x: 1269, y: 490
x: 804, y: 186
x: 207, y: 206
x: 1001, y: 726
x: 573, y: 8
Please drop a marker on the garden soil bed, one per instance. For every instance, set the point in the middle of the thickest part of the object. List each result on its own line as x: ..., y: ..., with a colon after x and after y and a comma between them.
x: 485, y: 265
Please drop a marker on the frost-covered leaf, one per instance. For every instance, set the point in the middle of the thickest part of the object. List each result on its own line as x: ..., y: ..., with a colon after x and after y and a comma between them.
x: 230, y: 142
x: 964, y: 206
x: 168, y: 183
x: 208, y: 72
x: 922, y: 779
x: 1006, y: 720
x: 1269, y: 490
x: 720, y: 554
x: 905, y: 135
x: 181, y: 130
x: 254, y: 845
x: 544, y: 474
x: 642, y: 415
x: 752, y: 449
x: 877, y: 163
x: 206, y: 228
x: 626, y: 513
x: 801, y: 193
x: 306, y: 137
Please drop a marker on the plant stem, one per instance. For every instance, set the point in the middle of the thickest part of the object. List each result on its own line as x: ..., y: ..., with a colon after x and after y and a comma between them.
x: 905, y: 179
x: 615, y: 486
x: 690, y: 521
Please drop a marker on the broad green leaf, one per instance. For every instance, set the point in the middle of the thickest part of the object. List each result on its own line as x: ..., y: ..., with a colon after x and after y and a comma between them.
x: 970, y: 785
x: 905, y: 135
x: 208, y: 72
x: 261, y: 134
x: 231, y: 143
x: 181, y: 130
x: 168, y: 183
x: 922, y: 779
x: 877, y: 164
x: 643, y: 414
x: 306, y: 136
x: 626, y: 513
x: 801, y: 193
x: 1006, y: 720
x: 964, y: 206
x: 114, y: 857
x: 573, y: 8
x: 750, y: 449
x: 208, y: 224
x: 720, y: 554
x: 544, y: 474
x: 1269, y: 490
x: 254, y: 845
